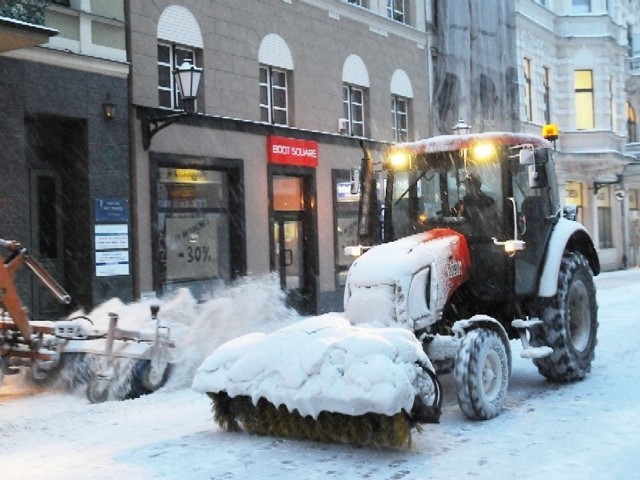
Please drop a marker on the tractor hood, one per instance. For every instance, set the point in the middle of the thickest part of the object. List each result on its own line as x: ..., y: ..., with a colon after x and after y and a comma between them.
x: 405, y: 282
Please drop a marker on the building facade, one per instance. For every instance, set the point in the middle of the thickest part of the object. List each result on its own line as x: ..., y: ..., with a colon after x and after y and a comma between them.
x: 258, y: 180
x: 578, y: 68
x: 64, y: 162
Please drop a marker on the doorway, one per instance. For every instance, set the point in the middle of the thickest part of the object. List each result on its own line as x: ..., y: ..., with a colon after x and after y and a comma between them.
x: 293, y: 236
x: 59, y: 215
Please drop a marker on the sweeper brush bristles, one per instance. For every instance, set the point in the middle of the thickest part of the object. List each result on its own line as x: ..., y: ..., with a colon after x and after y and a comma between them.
x: 266, y: 419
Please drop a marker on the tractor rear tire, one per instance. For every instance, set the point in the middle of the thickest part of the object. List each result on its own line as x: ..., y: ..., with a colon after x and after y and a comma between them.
x: 570, y: 323
x: 481, y: 374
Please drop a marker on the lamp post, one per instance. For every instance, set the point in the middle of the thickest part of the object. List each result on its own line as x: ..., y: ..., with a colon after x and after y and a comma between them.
x: 461, y: 128
x: 187, y: 79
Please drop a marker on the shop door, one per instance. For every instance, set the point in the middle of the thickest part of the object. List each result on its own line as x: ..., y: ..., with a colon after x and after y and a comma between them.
x: 46, y: 240
x: 292, y: 253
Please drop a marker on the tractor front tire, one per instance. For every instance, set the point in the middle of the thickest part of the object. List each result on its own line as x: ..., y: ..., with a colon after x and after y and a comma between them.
x: 481, y: 374
x: 570, y: 323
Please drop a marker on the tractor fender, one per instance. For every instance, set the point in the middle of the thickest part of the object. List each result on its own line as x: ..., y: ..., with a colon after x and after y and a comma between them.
x: 566, y: 235
x: 461, y: 327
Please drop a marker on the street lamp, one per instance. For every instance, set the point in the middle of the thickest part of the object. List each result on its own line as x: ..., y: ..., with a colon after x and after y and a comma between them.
x: 187, y: 79
x: 461, y: 128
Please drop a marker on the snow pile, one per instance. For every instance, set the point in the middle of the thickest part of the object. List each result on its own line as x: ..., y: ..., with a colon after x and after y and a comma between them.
x: 322, y: 364
x: 252, y: 304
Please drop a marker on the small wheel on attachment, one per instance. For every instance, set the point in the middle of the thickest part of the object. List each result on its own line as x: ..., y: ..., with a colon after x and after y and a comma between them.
x: 98, y: 390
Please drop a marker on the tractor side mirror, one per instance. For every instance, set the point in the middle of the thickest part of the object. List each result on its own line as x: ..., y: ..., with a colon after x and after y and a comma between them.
x: 526, y: 156
x: 355, y: 181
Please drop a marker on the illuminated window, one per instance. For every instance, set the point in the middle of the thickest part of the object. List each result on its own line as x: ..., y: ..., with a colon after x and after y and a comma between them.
x: 583, y: 85
x: 527, y: 90
x: 632, y: 126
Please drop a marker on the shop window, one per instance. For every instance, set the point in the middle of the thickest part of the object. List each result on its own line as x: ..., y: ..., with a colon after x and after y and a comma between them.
x: 353, y: 103
x: 345, y: 207
x: 193, y: 215
x: 273, y: 95
x: 583, y: 85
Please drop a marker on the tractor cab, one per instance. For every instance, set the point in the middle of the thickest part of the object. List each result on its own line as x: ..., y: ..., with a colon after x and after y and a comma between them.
x: 497, y: 189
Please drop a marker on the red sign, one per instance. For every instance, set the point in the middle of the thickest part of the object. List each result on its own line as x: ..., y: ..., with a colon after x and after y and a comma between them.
x: 291, y: 151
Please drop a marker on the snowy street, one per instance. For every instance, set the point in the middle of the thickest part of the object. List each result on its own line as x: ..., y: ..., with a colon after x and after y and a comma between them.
x: 580, y: 431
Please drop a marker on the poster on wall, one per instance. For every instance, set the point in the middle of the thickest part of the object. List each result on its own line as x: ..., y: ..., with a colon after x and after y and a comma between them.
x: 112, y: 263
x: 192, y: 248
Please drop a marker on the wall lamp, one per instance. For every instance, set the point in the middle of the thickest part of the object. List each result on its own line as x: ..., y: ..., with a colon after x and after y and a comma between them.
x: 109, y: 108
x: 187, y: 78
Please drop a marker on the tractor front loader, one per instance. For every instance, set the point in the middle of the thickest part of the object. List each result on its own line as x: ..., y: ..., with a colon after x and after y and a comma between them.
x: 45, y: 347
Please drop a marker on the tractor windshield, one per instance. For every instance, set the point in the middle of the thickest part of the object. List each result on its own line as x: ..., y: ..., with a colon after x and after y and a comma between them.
x: 455, y: 189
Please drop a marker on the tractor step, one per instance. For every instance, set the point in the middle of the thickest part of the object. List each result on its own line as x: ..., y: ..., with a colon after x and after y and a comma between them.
x: 524, y: 324
x: 536, y: 352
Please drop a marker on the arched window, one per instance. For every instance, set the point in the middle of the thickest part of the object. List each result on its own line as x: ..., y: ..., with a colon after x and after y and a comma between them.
x: 179, y: 39
x: 276, y: 66
x: 401, y: 95
x: 355, y: 85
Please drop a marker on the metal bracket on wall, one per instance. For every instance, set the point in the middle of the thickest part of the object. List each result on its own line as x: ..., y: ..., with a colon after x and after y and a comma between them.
x: 598, y: 185
x: 151, y: 126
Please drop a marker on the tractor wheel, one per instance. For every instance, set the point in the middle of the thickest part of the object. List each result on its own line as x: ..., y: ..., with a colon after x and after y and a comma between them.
x: 98, y: 390
x: 570, y: 323
x: 144, y: 381
x: 481, y: 374
x: 151, y: 380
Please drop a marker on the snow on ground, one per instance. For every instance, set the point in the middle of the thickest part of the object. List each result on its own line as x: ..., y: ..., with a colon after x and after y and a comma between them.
x: 586, y: 430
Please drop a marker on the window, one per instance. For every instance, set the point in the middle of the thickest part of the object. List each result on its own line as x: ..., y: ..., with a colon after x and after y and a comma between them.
x: 583, y: 85
x: 603, y: 202
x: 353, y: 109
x: 546, y: 84
x: 400, y: 118
x: 169, y: 57
x: 273, y: 96
x: 396, y: 9
x: 581, y: 6
x: 527, y: 90
x: 632, y: 126
x: 360, y: 3
x: 345, y: 206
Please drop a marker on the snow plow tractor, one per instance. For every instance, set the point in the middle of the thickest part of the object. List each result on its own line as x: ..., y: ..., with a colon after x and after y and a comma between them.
x: 474, y: 250
x: 90, y: 357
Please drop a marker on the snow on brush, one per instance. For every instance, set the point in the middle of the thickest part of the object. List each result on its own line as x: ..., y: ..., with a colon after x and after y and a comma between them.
x: 322, y: 364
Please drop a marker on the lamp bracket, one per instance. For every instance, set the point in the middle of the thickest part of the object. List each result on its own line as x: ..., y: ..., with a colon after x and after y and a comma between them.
x: 151, y: 126
x: 598, y: 185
